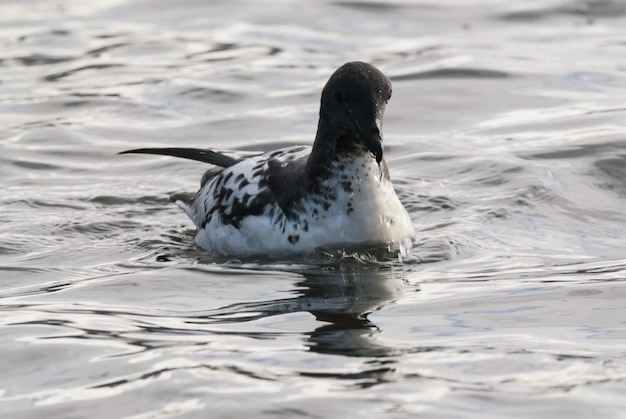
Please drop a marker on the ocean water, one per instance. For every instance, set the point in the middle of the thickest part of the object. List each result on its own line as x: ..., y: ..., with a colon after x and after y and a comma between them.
x: 505, y: 138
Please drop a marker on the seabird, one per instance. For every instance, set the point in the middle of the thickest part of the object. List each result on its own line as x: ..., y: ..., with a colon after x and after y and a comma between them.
x: 336, y: 194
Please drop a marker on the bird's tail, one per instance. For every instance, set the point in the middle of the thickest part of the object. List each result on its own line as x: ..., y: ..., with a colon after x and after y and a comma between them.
x: 198, y: 154
x: 184, y: 201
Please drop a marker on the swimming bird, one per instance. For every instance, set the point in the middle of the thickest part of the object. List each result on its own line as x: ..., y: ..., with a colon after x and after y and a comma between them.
x: 336, y: 194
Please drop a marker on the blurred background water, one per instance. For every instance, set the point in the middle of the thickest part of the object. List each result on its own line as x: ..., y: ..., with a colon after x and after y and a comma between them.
x: 505, y: 139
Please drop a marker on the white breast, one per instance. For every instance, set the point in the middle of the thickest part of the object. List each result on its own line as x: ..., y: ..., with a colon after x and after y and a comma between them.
x: 359, y: 208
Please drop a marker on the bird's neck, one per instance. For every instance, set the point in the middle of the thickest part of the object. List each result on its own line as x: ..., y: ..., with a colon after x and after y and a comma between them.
x: 322, y: 153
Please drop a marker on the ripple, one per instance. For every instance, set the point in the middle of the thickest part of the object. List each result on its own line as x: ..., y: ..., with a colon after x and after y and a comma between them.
x: 100, y: 50
x: 58, y: 76
x: 34, y: 165
x: 604, y: 8
x: 33, y: 60
x: 615, y: 170
x: 112, y: 200
x: 533, y: 195
x: 421, y: 203
x: 228, y: 51
x: 49, y: 203
x: 373, y: 6
x: 448, y: 73
x: 582, y: 150
x: 203, y: 93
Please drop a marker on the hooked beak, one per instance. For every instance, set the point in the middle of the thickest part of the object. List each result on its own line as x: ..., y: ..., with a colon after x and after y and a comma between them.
x: 373, y: 139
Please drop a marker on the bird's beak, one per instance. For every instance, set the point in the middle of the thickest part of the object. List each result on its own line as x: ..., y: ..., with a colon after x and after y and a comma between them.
x: 372, y: 136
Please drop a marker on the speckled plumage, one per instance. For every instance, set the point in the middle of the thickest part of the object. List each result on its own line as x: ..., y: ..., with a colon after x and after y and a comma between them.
x: 336, y: 194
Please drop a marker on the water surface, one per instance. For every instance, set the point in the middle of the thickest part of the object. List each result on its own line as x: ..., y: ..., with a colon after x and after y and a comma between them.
x: 506, y: 141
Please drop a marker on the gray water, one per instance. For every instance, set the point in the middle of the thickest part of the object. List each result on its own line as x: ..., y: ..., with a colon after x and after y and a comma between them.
x: 506, y: 140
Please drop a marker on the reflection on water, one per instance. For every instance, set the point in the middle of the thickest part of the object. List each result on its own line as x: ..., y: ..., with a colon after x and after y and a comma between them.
x: 341, y: 300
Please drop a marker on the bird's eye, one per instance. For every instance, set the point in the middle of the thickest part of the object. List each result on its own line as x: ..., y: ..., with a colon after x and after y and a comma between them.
x: 339, y: 97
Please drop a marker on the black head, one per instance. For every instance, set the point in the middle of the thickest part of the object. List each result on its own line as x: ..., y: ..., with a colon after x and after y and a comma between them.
x: 352, y: 108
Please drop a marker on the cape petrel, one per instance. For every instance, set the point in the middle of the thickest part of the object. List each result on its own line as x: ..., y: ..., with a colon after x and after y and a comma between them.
x: 336, y: 194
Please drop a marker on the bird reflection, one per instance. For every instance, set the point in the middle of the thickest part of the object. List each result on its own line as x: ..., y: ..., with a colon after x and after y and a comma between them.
x: 342, y: 298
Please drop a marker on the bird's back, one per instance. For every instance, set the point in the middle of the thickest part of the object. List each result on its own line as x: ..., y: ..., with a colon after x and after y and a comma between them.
x: 248, y: 208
